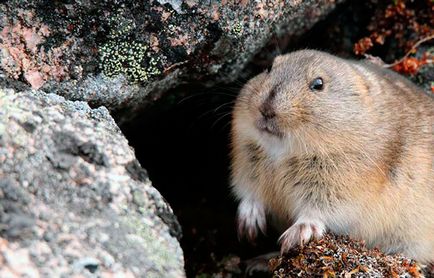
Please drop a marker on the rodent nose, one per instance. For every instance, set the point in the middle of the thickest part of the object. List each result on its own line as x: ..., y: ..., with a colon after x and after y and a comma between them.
x: 267, y: 111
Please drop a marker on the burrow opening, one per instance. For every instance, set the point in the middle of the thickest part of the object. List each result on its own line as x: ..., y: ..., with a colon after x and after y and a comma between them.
x: 183, y: 141
x: 184, y: 146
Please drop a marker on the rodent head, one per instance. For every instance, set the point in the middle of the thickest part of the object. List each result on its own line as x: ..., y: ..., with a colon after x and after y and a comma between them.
x: 307, y: 99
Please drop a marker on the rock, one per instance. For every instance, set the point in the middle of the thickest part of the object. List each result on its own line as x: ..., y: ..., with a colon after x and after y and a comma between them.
x: 73, y: 198
x: 124, y: 54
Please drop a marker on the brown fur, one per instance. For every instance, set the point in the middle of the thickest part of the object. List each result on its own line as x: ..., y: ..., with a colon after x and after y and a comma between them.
x: 357, y: 156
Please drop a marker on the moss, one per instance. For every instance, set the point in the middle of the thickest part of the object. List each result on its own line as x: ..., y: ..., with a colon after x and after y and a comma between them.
x: 131, y: 59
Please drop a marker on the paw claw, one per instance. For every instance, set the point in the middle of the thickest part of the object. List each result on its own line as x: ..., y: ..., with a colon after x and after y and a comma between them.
x: 300, y: 234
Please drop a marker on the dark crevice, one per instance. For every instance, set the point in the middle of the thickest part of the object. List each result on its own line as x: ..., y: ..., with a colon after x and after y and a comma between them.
x: 184, y: 146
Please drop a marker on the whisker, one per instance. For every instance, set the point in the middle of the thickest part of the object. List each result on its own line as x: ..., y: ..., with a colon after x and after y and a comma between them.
x: 224, y: 104
x: 220, y: 118
x: 210, y: 93
x: 225, y: 126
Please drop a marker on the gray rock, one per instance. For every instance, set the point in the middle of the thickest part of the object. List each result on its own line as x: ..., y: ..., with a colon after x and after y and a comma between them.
x: 73, y: 198
x: 124, y: 54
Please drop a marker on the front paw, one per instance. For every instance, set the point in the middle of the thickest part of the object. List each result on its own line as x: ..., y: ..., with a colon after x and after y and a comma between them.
x: 251, y: 217
x: 300, y: 233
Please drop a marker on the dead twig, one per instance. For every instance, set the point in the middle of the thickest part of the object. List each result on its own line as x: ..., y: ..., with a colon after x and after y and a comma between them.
x: 409, y: 52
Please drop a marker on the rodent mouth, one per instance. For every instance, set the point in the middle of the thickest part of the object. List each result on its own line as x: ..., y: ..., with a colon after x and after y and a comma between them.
x: 269, y: 126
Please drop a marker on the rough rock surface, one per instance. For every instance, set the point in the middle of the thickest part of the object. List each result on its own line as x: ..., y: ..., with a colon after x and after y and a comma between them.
x: 124, y: 54
x: 73, y: 198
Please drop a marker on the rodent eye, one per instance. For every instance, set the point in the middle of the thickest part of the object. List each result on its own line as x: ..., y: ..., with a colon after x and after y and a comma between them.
x: 317, y: 84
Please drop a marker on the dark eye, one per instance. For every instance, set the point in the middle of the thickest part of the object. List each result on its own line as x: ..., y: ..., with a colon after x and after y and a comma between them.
x: 317, y: 84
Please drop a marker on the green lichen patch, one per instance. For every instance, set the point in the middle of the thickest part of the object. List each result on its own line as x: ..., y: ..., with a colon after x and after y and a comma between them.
x: 120, y: 25
x: 237, y: 29
x: 132, y: 59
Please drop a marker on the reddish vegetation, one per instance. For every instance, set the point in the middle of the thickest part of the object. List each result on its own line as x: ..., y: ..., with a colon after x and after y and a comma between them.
x: 340, y: 256
x: 24, y: 57
x: 411, y: 65
x: 403, y: 25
